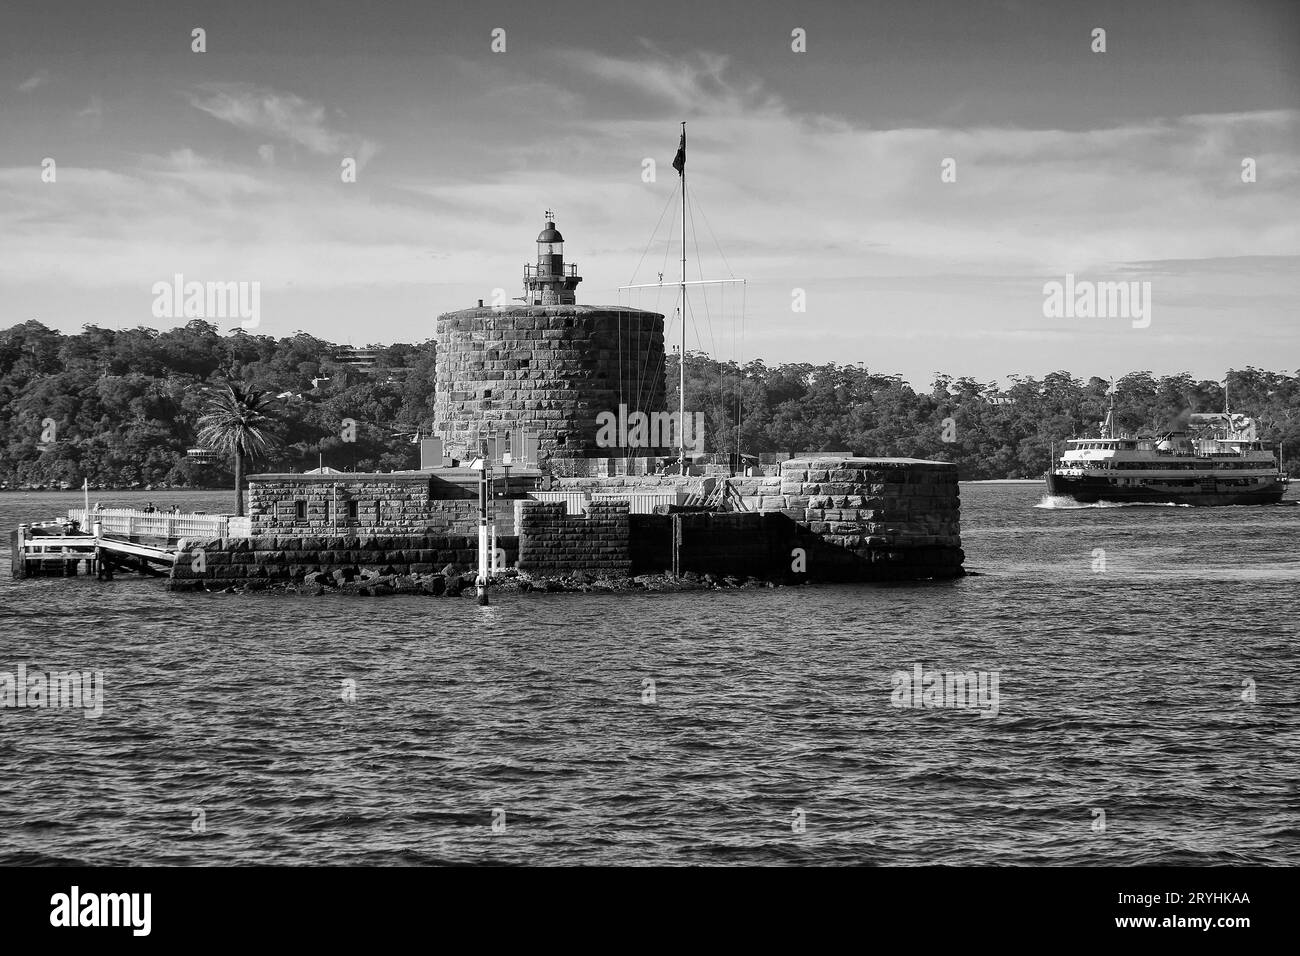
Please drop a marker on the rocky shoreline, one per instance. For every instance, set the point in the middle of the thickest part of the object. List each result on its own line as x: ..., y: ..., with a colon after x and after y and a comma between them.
x: 451, y: 582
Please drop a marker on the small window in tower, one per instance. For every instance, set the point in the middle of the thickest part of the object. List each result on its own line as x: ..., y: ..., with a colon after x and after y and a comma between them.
x: 300, y: 510
x: 354, y: 510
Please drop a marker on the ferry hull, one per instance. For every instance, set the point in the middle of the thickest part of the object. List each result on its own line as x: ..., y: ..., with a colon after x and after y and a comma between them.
x: 1093, y: 490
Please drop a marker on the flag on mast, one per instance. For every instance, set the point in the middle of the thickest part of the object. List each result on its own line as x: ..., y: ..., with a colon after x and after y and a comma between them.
x: 679, y: 162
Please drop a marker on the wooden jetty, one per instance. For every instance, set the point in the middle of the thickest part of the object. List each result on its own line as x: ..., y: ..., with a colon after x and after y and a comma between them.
x: 112, y: 539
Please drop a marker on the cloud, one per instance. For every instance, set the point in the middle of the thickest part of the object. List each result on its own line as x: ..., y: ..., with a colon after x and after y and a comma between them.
x: 856, y: 215
x: 39, y: 78
x: 186, y: 212
x: 92, y: 115
x: 285, y: 116
x: 1226, y: 265
x: 702, y: 81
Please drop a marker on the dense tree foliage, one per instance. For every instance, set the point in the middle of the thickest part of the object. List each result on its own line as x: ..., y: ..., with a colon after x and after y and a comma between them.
x: 993, y: 433
x: 121, y: 408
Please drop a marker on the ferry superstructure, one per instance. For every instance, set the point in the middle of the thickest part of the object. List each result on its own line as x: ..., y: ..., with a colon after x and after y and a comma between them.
x: 1217, y: 459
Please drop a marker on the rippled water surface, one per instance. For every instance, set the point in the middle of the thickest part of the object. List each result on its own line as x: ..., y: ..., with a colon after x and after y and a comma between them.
x: 225, y: 738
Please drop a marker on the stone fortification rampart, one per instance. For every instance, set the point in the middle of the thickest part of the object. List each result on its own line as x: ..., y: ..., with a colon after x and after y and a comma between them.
x: 549, y: 369
x: 833, y: 518
x: 270, y: 559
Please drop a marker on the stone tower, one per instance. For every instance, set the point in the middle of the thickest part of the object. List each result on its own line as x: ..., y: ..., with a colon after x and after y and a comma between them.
x: 549, y: 366
x: 550, y: 282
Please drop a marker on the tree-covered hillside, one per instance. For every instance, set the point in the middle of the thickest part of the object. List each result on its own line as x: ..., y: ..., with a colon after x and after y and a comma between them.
x: 121, y: 408
x: 993, y: 434
x: 124, y: 405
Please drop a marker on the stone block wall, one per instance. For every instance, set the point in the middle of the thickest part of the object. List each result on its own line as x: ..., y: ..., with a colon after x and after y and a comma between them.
x: 553, y: 542
x: 284, y: 558
x: 757, y: 487
x: 739, y: 544
x: 900, y: 516
x: 403, y: 503
x: 650, y: 543
x: 860, y: 519
x: 855, y: 519
x: 551, y: 369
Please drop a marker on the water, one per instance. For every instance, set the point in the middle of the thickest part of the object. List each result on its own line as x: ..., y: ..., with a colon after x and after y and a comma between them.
x: 1120, y: 693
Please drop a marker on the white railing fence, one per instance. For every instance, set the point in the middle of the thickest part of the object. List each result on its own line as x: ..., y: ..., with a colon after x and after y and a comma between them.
x: 129, y: 522
x: 575, y: 502
x: 639, y: 502
x: 642, y: 502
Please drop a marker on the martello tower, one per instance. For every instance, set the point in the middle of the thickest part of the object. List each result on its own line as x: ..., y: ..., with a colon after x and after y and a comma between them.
x: 549, y: 366
x: 550, y: 282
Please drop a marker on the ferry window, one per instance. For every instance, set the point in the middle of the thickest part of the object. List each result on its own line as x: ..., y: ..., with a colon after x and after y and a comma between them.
x: 300, y: 509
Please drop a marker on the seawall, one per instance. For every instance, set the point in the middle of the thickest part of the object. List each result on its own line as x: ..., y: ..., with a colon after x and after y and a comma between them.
x: 824, y: 519
x: 281, y: 559
x: 835, y: 518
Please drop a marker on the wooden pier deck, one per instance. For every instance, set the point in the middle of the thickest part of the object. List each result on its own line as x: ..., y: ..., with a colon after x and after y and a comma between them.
x: 115, y: 539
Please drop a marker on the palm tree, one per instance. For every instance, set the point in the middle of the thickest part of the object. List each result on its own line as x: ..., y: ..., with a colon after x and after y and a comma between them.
x: 236, y: 421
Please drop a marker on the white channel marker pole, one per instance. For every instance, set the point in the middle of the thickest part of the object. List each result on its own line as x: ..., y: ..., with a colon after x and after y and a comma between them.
x: 482, y: 523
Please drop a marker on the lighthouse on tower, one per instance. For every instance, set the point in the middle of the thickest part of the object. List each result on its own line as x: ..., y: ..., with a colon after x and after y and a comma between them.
x: 550, y: 282
x: 546, y: 367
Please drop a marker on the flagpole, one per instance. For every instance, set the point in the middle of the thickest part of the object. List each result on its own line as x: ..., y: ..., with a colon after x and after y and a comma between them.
x: 681, y: 358
x: 679, y: 164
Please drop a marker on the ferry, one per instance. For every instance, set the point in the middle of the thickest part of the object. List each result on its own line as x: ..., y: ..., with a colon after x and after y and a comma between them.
x: 1215, y: 459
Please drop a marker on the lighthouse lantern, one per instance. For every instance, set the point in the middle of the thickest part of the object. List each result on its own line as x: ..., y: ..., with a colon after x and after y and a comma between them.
x: 550, y: 282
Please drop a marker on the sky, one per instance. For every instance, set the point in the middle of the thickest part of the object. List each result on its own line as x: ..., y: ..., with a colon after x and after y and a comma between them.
x: 818, y: 176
